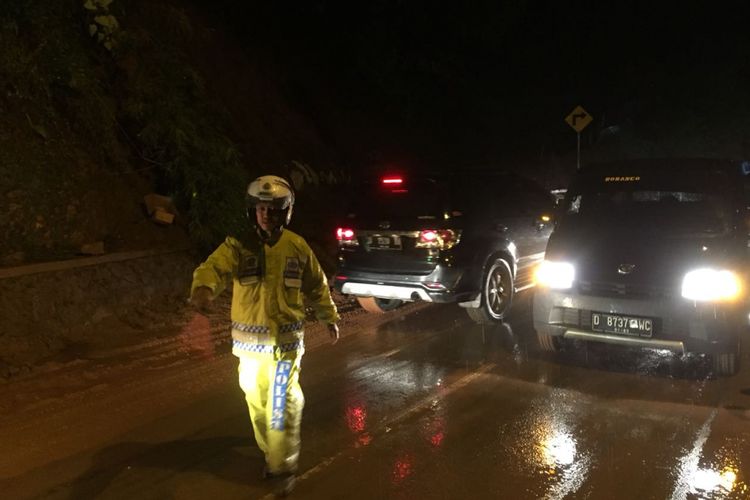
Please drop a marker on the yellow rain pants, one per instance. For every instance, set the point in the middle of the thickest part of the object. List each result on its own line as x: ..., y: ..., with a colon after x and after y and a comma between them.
x: 275, y: 401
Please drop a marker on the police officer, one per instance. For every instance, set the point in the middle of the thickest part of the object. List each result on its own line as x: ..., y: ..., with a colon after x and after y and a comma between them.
x: 271, y: 270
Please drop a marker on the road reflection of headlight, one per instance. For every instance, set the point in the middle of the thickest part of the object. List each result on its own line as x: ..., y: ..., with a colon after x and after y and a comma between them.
x: 559, y: 275
x: 558, y: 449
x: 705, y: 285
x: 557, y: 455
x: 713, y: 481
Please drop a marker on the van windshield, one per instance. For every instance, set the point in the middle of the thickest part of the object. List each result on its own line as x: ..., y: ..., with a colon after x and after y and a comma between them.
x: 685, y: 205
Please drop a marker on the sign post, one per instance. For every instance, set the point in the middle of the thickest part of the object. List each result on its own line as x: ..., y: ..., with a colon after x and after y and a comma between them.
x: 578, y: 119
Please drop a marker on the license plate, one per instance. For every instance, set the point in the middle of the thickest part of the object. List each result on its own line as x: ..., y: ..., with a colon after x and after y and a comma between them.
x: 623, y: 325
x: 385, y: 242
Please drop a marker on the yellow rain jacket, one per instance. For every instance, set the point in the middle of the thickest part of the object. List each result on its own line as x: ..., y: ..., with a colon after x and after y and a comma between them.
x: 269, y: 287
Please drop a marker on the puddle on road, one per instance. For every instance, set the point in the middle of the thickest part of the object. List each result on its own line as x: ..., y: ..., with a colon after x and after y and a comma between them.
x: 554, y: 449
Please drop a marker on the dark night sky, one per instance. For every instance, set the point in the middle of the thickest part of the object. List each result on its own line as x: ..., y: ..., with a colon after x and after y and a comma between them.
x: 486, y: 80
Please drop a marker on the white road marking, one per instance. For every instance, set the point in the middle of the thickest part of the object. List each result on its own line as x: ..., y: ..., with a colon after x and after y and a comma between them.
x: 689, y: 463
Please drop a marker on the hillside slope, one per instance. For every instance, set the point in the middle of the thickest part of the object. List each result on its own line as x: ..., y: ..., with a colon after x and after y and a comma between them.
x: 161, y: 103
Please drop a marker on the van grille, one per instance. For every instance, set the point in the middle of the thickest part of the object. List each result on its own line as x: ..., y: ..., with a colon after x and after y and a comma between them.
x: 620, y: 290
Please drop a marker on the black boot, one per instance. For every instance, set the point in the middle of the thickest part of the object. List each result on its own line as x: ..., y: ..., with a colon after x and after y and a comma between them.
x: 267, y: 474
x: 284, y: 483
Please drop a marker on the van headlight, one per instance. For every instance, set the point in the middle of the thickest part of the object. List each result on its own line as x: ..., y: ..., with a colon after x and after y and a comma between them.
x: 705, y: 285
x: 559, y: 275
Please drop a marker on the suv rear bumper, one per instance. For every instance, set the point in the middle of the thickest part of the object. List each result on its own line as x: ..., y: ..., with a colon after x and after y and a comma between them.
x: 684, y: 326
x: 441, y: 285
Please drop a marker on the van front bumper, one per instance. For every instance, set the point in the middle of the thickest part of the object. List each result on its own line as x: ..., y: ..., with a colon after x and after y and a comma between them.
x: 680, y: 325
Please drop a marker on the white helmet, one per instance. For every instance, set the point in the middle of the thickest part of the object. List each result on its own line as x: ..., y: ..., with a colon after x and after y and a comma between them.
x: 273, y: 189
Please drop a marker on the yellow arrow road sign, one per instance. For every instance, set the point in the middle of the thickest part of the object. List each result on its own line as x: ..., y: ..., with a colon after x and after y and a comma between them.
x: 578, y: 118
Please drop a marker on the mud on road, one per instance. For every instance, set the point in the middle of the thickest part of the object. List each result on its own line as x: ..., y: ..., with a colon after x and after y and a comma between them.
x: 63, y: 406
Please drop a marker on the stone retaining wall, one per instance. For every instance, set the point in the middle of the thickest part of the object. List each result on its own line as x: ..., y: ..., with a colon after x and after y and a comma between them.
x: 44, y: 313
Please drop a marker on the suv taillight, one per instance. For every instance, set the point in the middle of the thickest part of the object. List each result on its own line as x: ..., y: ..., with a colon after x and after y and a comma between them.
x: 438, y: 238
x: 346, y: 237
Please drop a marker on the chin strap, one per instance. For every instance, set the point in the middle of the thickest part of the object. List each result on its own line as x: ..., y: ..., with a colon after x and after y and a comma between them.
x: 266, y: 237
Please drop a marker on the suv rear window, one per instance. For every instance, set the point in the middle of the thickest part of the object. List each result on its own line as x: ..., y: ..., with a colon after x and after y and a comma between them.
x: 414, y: 199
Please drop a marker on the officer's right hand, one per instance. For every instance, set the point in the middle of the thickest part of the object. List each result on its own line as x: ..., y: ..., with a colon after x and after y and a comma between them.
x: 201, y: 298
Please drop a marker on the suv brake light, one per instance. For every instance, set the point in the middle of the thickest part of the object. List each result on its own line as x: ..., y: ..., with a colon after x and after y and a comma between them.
x: 392, y: 181
x: 442, y: 239
x: 346, y: 237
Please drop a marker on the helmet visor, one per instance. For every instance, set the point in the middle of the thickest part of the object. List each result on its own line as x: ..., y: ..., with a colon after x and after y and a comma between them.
x: 275, y: 203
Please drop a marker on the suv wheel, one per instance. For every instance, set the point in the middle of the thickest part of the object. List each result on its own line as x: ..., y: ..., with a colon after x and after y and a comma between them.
x: 378, y: 305
x: 497, y: 294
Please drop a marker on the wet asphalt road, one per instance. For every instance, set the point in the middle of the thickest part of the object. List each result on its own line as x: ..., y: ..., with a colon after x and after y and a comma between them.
x: 455, y: 411
x: 432, y: 406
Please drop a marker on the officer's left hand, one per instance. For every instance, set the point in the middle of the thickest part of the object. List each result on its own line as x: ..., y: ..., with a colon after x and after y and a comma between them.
x: 201, y: 299
x: 333, y: 330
